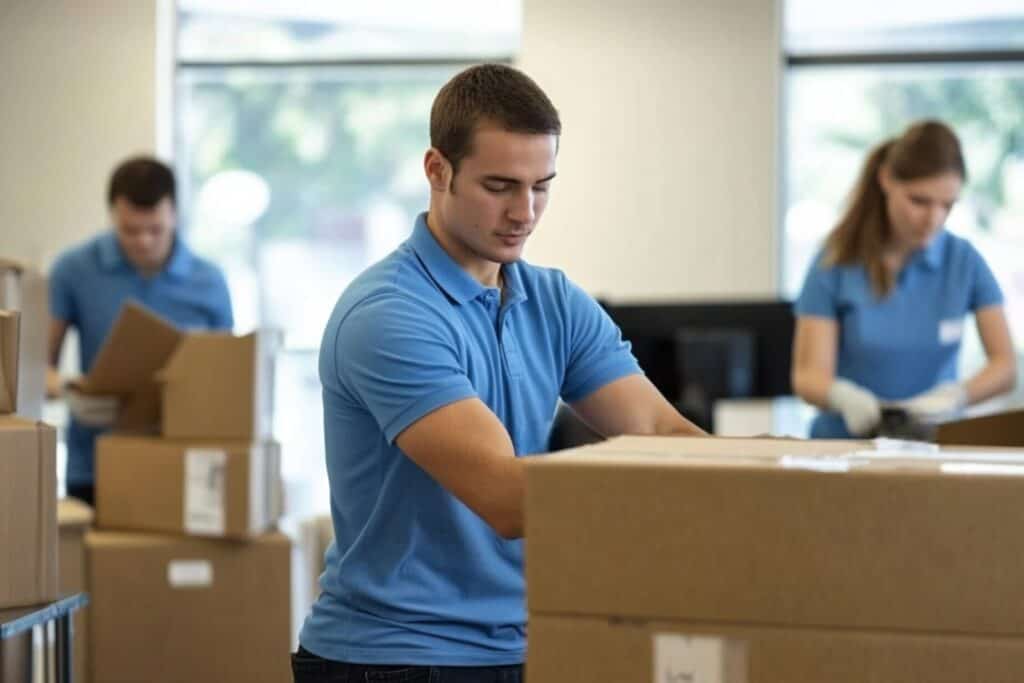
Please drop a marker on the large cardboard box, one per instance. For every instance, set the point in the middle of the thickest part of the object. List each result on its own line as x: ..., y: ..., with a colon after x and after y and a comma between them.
x: 578, y: 649
x: 773, y: 532
x: 28, y: 512
x: 227, y: 489
x: 219, y: 386
x: 73, y: 519
x: 177, y: 609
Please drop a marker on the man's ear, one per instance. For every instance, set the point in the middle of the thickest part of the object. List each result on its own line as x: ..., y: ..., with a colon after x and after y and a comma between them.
x: 438, y: 170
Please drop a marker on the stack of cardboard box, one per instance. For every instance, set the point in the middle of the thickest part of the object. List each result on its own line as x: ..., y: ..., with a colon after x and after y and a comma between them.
x: 28, y: 489
x: 187, y: 579
x: 744, y: 560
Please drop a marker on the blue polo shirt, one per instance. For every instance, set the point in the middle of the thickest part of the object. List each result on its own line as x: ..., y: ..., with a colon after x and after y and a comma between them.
x: 909, y: 341
x: 88, y: 285
x: 414, y: 576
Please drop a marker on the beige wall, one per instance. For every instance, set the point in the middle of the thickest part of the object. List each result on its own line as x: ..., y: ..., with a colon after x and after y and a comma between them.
x: 667, y: 170
x: 77, y: 94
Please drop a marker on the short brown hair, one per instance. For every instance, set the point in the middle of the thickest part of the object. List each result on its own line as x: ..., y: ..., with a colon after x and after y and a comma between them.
x: 143, y: 181
x: 926, y: 149
x: 493, y: 93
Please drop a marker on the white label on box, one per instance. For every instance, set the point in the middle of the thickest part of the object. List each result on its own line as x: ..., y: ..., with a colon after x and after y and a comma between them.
x: 205, y: 474
x: 686, y: 659
x: 189, y: 574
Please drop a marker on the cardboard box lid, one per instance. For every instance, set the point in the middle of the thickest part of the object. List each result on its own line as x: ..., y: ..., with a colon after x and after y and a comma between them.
x: 834, y: 541
x: 8, y: 362
x: 135, y: 349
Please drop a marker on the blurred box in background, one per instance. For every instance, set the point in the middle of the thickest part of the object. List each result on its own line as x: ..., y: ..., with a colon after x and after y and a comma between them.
x: 28, y: 489
x: 74, y: 518
x: 23, y: 289
x: 171, y: 609
x: 229, y: 489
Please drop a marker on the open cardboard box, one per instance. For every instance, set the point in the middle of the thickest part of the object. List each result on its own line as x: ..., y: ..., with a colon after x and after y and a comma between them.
x: 185, y: 384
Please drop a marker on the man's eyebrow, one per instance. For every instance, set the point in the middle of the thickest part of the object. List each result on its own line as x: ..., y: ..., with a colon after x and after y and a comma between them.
x: 515, y: 181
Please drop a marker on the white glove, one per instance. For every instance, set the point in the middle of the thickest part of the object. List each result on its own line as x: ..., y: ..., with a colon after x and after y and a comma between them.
x: 92, y: 411
x: 941, y: 402
x: 860, y: 409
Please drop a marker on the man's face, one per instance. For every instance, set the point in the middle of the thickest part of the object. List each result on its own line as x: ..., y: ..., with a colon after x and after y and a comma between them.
x: 496, y: 198
x: 146, y: 234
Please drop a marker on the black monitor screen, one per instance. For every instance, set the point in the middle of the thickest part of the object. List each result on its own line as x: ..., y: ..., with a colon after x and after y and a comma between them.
x: 725, y: 349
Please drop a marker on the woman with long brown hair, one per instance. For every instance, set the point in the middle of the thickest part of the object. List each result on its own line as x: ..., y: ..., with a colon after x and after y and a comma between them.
x: 880, y: 316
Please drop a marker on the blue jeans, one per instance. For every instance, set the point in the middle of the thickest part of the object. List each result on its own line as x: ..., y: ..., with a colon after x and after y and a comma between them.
x: 309, y: 668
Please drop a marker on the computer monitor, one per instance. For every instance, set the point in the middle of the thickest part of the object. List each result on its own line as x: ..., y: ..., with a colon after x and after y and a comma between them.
x: 698, y: 352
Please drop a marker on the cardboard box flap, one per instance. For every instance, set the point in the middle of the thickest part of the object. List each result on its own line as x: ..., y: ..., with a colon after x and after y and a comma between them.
x: 72, y: 512
x: 136, y: 348
x: 8, y: 361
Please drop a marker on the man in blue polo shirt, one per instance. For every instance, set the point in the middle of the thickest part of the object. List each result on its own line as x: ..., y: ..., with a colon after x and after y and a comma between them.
x: 142, y: 259
x: 442, y: 367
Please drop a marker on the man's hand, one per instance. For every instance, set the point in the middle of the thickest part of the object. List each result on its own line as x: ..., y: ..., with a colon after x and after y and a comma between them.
x: 92, y: 411
x: 941, y: 402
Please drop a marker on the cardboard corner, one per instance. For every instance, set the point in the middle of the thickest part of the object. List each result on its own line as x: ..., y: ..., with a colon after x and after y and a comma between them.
x: 9, y: 326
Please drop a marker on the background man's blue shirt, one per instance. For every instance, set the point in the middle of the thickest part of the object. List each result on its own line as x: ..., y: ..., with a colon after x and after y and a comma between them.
x: 89, y: 284
x: 909, y: 341
x: 415, y: 576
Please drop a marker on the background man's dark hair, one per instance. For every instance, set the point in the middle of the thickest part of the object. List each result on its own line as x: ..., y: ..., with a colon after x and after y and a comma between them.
x: 143, y: 181
x: 492, y: 93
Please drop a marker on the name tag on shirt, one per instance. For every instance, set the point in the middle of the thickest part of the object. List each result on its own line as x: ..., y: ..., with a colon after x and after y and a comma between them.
x: 951, y: 330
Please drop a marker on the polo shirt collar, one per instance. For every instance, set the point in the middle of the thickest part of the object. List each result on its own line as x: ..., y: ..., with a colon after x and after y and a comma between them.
x: 449, y: 275
x: 112, y: 256
x: 931, y: 255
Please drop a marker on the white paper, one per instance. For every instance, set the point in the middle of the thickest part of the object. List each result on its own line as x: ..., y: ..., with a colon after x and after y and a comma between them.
x: 189, y: 574
x: 205, y: 474
x: 686, y: 659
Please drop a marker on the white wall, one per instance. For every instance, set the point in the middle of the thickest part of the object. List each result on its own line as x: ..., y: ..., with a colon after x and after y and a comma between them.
x: 668, y: 165
x: 77, y: 95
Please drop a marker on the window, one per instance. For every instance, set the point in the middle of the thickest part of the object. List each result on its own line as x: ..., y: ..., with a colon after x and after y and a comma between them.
x: 300, y: 130
x: 858, y: 74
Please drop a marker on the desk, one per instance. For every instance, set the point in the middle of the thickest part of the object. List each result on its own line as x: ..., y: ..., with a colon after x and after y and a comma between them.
x: 17, y: 628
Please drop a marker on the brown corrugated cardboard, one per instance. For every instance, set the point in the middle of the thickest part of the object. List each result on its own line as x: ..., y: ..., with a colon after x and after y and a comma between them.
x: 220, y: 386
x: 893, y: 544
x: 224, y: 489
x: 136, y: 348
x: 997, y: 429
x: 178, y: 609
x: 73, y: 519
x: 583, y: 650
x: 28, y: 512
x: 23, y: 289
x: 8, y: 362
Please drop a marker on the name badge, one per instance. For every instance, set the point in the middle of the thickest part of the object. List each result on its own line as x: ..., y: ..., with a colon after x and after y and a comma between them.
x: 950, y: 331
